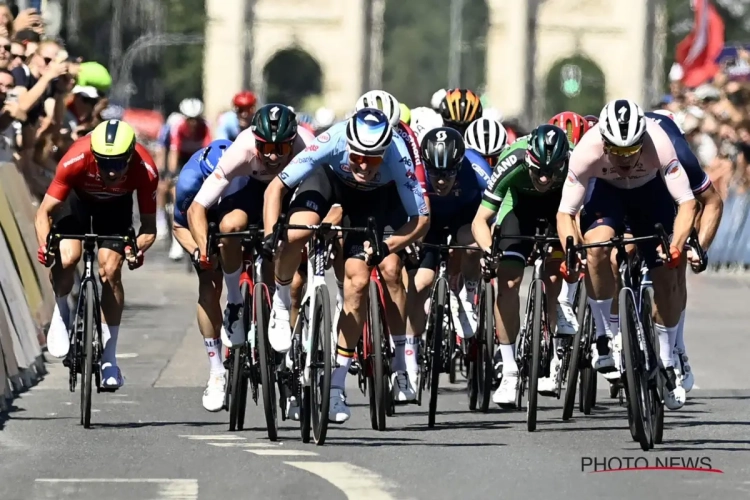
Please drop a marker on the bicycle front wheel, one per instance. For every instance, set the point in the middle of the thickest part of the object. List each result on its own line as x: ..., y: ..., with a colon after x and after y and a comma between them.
x: 321, y: 364
x: 238, y: 381
x: 434, y: 343
x: 485, y: 362
x: 87, y: 371
x: 380, y: 381
x: 537, y: 292
x: 577, y: 357
x: 266, y: 356
x: 656, y: 386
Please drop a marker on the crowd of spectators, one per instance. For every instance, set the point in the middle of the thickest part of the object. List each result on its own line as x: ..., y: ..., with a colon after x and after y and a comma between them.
x: 50, y: 97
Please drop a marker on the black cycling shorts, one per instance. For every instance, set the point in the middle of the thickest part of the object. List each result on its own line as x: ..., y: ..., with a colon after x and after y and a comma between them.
x: 112, y: 217
x: 523, y: 219
x: 442, y: 225
x: 323, y: 189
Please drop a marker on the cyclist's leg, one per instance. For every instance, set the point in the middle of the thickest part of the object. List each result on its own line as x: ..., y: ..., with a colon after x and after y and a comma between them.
x: 162, y: 190
x: 112, y: 218
x: 461, y: 225
x: 74, y: 217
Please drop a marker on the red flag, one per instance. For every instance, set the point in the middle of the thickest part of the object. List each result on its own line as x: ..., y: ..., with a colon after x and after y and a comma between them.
x: 698, y: 51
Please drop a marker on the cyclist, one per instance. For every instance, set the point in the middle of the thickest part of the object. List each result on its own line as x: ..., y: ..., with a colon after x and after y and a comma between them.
x: 618, y: 164
x: 459, y: 108
x: 356, y: 163
x: 591, y: 120
x: 405, y: 113
x: 456, y: 179
x: 526, y: 186
x: 187, y: 136
x: 93, y: 191
x: 423, y: 120
x: 233, y: 122
x: 488, y: 138
x: 162, y: 149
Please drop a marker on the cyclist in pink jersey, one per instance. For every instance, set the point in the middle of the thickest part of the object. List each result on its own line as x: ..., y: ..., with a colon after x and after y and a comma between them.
x: 613, y: 175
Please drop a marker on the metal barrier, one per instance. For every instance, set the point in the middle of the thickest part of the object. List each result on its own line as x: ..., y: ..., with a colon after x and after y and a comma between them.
x: 731, y: 248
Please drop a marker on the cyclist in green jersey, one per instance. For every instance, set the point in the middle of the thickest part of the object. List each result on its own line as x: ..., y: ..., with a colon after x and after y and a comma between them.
x: 525, y: 187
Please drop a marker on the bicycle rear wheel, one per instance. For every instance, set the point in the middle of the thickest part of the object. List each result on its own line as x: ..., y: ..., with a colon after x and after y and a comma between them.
x: 321, y: 361
x: 87, y: 370
x: 380, y: 378
x: 266, y: 356
x: 637, y: 383
x: 537, y: 292
x: 434, y: 343
x: 238, y: 381
x: 656, y: 383
x: 583, y: 314
x: 485, y: 360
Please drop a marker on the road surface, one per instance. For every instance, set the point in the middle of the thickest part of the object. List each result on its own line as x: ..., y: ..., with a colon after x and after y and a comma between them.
x: 152, y: 439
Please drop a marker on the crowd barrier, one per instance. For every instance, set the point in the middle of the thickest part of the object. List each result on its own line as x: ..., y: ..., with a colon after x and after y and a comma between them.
x: 26, y: 297
x: 731, y: 248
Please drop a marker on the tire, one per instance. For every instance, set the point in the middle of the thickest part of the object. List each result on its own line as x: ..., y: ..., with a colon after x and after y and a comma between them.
x: 321, y: 363
x: 452, y: 357
x: 657, y: 385
x: 238, y: 379
x: 87, y: 370
x: 266, y: 356
x: 435, y: 344
x: 536, y: 355
x: 638, y: 393
x: 588, y: 379
x: 234, y: 388
x: 380, y: 378
x: 485, y: 361
x: 576, y: 356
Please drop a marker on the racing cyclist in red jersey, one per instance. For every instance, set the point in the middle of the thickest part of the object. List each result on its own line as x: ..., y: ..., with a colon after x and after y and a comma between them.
x: 93, y: 191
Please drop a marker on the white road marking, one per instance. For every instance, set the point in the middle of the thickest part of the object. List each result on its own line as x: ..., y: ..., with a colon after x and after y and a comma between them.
x: 695, y: 386
x: 212, y: 437
x: 355, y: 482
x: 156, y: 480
x: 283, y: 453
x: 126, y: 355
x: 122, y: 402
x: 173, y: 489
x: 180, y: 490
x: 243, y: 445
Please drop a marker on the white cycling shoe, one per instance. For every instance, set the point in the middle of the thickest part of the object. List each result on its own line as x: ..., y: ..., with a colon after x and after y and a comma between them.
x: 112, y: 376
x: 683, y: 370
x: 232, y: 332
x: 279, y: 329
x: 466, y: 320
x: 213, y: 396
x: 58, y: 342
x: 617, y: 356
x: 547, y: 386
x: 175, y: 251
x: 506, y: 394
x: 338, y: 410
x: 292, y: 409
x: 675, y: 399
x: 403, y: 388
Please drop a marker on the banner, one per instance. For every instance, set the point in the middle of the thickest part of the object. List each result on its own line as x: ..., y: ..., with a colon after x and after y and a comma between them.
x: 698, y: 51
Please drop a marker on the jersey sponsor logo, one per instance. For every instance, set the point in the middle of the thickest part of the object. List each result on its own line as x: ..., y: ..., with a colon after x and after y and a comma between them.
x: 312, y: 147
x: 480, y: 171
x: 423, y: 210
x: 674, y: 171
x: 324, y: 137
x: 506, y: 164
x: 411, y: 175
x: 414, y: 187
x: 406, y: 161
x: 283, y: 176
x: 312, y: 205
x: 300, y: 159
x: 73, y: 160
x: 151, y: 170
x: 345, y: 167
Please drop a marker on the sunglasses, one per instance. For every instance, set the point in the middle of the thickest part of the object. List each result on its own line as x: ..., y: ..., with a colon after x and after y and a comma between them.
x: 370, y: 161
x: 47, y: 60
x: 269, y: 148
x: 6, y: 47
x: 442, y: 174
x: 623, y: 151
x: 17, y: 56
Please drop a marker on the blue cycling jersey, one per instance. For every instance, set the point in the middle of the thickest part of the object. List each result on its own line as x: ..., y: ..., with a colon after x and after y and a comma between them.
x: 191, y: 178
x: 329, y: 150
x: 699, y: 181
x: 228, y: 126
x: 472, y: 180
x: 164, y: 139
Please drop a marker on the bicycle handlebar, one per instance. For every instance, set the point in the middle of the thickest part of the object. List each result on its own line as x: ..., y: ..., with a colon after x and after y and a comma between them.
x: 695, y: 245
x: 54, y: 238
x: 321, y: 229
x: 253, y: 234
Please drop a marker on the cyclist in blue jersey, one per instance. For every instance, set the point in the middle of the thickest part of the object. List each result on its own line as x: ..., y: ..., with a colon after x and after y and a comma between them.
x: 456, y: 179
x: 233, y: 122
x: 363, y: 166
x: 165, y: 181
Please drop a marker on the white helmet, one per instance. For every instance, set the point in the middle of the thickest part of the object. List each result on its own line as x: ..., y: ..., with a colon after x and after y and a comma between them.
x: 385, y: 102
x: 368, y: 132
x: 174, y: 119
x: 493, y: 114
x: 486, y: 136
x: 437, y: 98
x: 191, y: 108
x: 423, y: 120
x: 622, y: 123
x: 324, y: 117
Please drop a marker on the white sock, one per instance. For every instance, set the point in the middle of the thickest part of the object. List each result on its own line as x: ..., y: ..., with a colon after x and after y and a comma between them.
x: 410, y: 354
x: 340, y: 294
x: 399, y: 354
x: 344, y: 361
x: 283, y: 295
x: 213, y: 348
x: 665, y: 349
x: 63, y: 309
x: 161, y: 217
x: 508, y: 352
x: 600, y: 312
x: 680, y: 340
x: 614, y: 324
x: 232, y: 281
x: 469, y: 291
x: 672, y: 331
x: 567, y: 293
x: 109, y: 339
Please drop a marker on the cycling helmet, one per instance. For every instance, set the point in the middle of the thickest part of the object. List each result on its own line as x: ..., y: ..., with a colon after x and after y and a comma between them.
x: 437, y: 98
x: 212, y: 154
x: 493, y: 114
x: 174, y: 119
x: 442, y: 150
x: 486, y: 136
x: 548, y: 151
x: 324, y: 117
x: 405, y: 113
x: 368, y: 132
x: 112, y: 144
x: 591, y: 120
x: 385, y: 102
x: 622, y: 124
x: 244, y: 99
x: 459, y: 108
x: 274, y: 123
x: 191, y: 108
x: 572, y: 123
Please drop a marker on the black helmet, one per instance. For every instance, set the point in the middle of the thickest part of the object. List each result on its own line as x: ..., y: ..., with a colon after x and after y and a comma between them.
x: 548, y: 150
x: 442, y: 150
x: 274, y: 123
x: 459, y: 108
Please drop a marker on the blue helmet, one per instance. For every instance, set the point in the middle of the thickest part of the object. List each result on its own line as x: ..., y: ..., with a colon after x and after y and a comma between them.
x: 212, y: 154
x: 368, y: 132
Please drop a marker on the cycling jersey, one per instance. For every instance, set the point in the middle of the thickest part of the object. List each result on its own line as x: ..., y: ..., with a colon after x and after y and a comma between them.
x: 658, y: 156
x: 228, y: 126
x: 423, y: 120
x: 78, y: 171
x: 186, y: 142
x: 699, y: 181
x: 165, y: 136
x: 471, y: 181
x: 329, y: 150
x: 241, y: 160
x: 407, y: 134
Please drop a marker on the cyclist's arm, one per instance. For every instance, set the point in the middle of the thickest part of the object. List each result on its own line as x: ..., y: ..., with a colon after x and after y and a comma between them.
x: 492, y: 200
x: 184, y: 238
x: 43, y: 213
x: 413, y: 200
x: 480, y: 227
x: 679, y: 188
x: 68, y: 168
x: 146, y: 194
x: 713, y: 207
x: 175, y: 144
x: 573, y: 194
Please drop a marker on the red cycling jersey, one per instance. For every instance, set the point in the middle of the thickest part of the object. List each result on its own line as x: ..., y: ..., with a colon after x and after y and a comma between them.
x: 410, y: 138
x: 186, y: 142
x: 78, y: 171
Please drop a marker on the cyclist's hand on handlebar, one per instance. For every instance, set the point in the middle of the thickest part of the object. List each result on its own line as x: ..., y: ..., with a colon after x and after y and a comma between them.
x: 373, y: 257
x: 204, y: 262
x: 675, y: 256
x: 413, y: 252
x: 572, y: 275
x: 134, y: 260
x: 267, y: 250
x: 43, y: 256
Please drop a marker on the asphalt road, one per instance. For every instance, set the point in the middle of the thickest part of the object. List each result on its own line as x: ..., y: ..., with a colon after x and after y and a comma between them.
x: 153, y: 440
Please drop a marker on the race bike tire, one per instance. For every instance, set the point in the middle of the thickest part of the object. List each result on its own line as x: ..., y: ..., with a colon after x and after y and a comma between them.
x: 536, y: 354
x: 266, y: 356
x: 380, y: 381
x: 88, y: 355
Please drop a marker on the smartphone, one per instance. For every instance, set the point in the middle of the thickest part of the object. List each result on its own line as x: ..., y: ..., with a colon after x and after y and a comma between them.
x: 11, y: 97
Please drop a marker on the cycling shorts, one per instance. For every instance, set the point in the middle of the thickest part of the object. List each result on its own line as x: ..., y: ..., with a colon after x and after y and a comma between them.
x: 521, y: 216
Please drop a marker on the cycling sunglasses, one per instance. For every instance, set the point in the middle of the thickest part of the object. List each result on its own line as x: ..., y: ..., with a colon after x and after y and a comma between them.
x: 370, y: 161
x: 115, y: 165
x: 442, y: 174
x: 269, y: 148
x: 623, y: 151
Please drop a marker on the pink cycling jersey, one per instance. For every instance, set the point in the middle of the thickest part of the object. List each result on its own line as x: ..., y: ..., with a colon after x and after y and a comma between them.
x: 588, y: 161
x: 239, y: 163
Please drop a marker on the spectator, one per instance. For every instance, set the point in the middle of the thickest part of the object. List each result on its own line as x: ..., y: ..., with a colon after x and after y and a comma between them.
x: 28, y: 19
x: 17, y: 55
x: 29, y: 39
x: 5, y: 56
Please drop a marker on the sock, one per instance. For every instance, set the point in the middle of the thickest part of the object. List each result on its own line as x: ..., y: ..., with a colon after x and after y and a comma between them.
x: 63, y: 309
x: 109, y: 339
x: 399, y: 359
x: 567, y: 293
x: 339, y: 294
x: 213, y: 348
x: 614, y: 324
x: 232, y: 281
x: 600, y: 312
x: 672, y: 332
x: 508, y: 352
x: 344, y: 360
x: 469, y: 291
x: 283, y: 295
x: 680, y: 340
x: 410, y: 355
x: 665, y: 351
x: 161, y: 217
